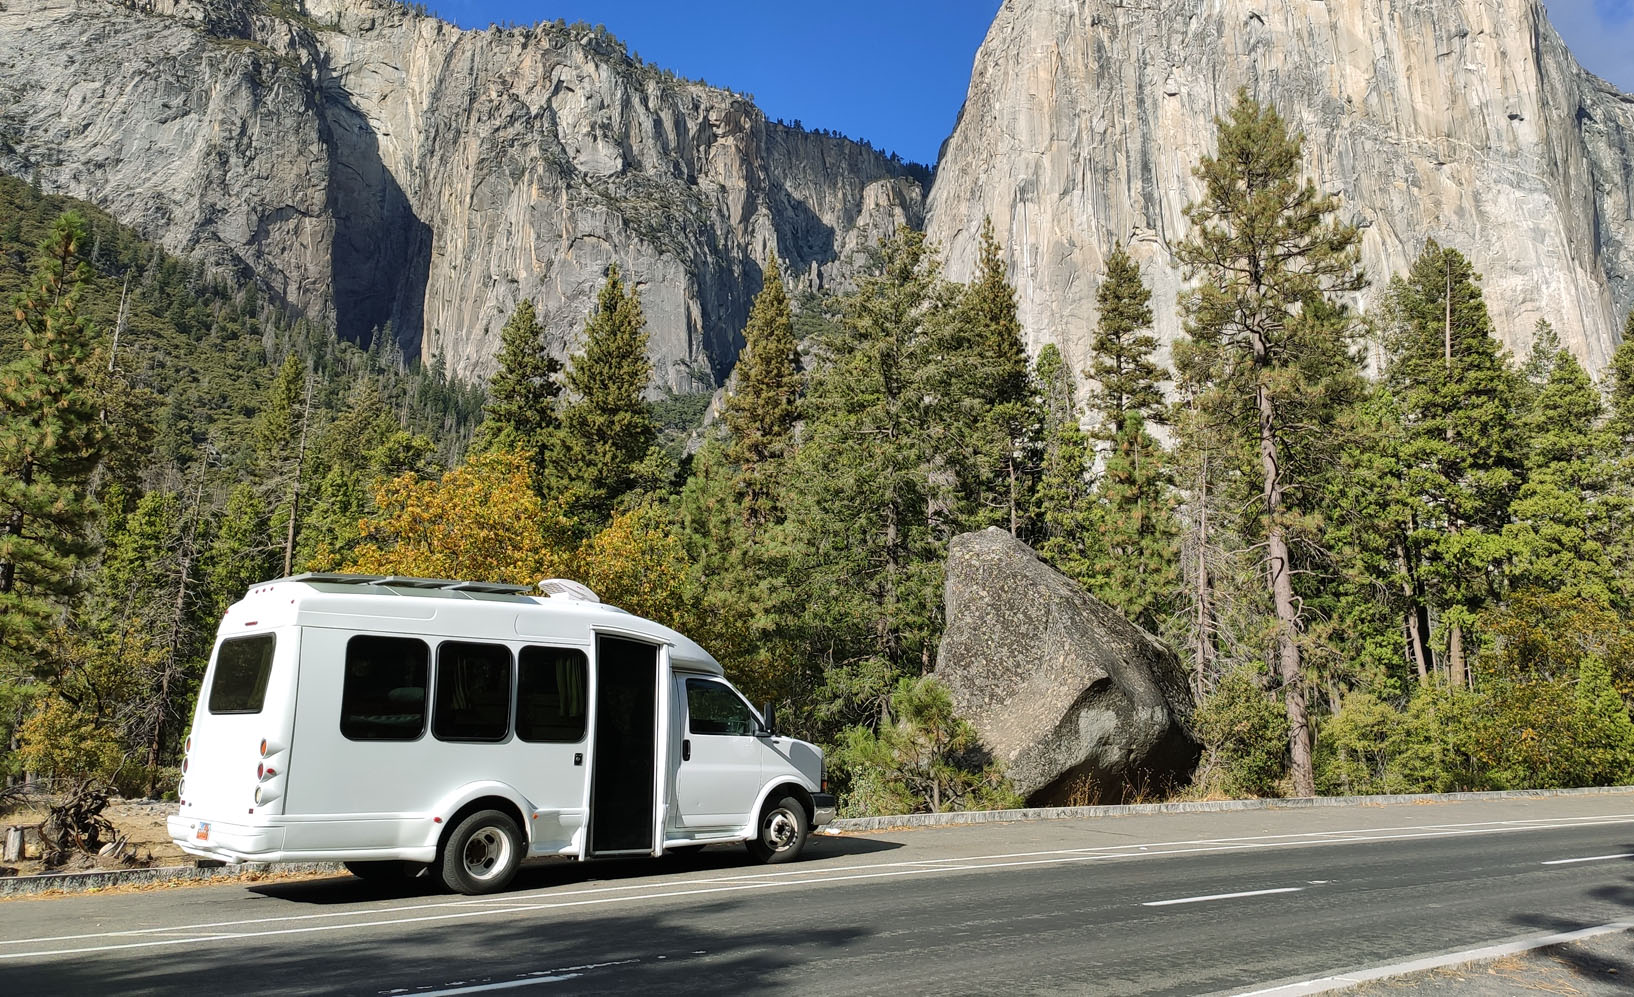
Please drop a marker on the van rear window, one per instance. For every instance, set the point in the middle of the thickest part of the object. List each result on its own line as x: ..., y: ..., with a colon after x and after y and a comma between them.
x: 384, y: 696
x: 243, y: 666
x: 550, y: 695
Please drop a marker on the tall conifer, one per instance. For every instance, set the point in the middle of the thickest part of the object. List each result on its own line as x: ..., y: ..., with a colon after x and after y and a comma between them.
x: 521, y: 412
x: 1270, y: 254
x: 1123, y: 347
x: 762, y: 410
x: 607, y: 428
x: 50, y: 441
x: 1560, y: 538
x: 1005, y: 434
x: 1461, y: 447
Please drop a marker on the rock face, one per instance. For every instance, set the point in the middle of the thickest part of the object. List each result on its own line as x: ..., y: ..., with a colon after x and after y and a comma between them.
x: 1076, y: 701
x: 375, y: 165
x: 1463, y: 120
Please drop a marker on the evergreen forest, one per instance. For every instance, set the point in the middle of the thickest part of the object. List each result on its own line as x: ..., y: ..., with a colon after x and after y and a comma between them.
x: 1392, y: 557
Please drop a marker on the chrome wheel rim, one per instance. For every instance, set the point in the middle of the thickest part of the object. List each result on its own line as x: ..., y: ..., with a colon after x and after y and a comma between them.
x: 487, y: 853
x: 780, y: 830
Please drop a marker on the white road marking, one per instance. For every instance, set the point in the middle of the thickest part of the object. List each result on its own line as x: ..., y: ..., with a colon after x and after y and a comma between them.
x: 1344, y: 981
x: 1222, y: 896
x: 508, y: 985
x: 521, y: 903
x: 1591, y: 858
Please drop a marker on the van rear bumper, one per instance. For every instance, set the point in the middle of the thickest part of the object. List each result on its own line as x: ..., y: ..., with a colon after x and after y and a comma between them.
x: 214, y: 839
x: 235, y: 843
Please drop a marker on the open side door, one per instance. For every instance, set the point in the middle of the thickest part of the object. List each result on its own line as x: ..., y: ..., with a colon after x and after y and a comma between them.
x: 624, y: 751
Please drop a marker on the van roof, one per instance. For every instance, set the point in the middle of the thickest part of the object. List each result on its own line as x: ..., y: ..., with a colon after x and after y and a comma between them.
x: 566, y: 610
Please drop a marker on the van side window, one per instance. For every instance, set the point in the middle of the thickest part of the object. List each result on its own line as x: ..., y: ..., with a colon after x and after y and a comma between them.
x: 384, y: 696
x: 473, y: 692
x: 550, y: 695
x: 243, y: 666
x: 713, y: 708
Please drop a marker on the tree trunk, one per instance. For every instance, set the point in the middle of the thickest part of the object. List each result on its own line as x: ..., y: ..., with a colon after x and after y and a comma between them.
x: 1457, y: 673
x: 1418, y: 651
x: 1205, y: 646
x: 1282, y: 595
x: 14, y: 528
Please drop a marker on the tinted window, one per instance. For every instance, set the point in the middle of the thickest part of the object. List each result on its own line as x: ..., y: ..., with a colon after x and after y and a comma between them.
x: 713, y: 708
x: 243, y: 666
x: 473, y: 692
x: 384, y: 698
x: 550, y: 694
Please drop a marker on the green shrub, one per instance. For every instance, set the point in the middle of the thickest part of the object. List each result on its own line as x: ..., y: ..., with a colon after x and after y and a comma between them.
x: 1245, y: 739
x: 928, y: 760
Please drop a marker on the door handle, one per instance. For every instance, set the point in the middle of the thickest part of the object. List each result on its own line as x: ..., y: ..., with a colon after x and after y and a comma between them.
x: 686, y: 750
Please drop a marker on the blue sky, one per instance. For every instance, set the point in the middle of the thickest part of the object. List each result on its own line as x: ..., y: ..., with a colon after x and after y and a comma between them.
x: 890, y: 71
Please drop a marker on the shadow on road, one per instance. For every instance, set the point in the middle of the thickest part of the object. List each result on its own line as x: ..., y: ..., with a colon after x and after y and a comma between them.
x: 548, y: 873
x: 1592, y: 964
x: 665, y: 951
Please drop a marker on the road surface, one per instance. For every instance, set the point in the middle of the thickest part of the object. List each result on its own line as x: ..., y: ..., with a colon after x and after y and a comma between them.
x: 1151, y: 904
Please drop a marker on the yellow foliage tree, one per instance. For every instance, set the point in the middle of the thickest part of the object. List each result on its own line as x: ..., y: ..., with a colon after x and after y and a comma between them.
x: 482, y: 521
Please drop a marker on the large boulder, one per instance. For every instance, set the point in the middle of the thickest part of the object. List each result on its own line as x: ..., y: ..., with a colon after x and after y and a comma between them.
x: 1078, y: 703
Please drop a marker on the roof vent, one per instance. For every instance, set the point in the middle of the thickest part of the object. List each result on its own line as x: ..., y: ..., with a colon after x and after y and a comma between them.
x: 562, y: 588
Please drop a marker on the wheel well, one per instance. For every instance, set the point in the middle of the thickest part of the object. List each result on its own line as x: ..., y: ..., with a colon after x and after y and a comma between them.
x: 800, y: 793
x: 499, y: 803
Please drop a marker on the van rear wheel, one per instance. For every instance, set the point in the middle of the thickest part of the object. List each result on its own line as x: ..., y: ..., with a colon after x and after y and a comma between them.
x: 784, y: 827
x: 482, y: 853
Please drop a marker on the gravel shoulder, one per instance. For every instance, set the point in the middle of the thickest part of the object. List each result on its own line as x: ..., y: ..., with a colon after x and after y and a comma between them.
x: 1595, y: 967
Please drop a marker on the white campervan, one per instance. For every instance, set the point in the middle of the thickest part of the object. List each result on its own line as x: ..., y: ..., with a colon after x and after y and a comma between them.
x: 395, y: 724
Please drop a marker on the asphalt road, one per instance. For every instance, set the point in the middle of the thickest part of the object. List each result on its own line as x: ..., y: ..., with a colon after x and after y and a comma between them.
x: 1183, y: 904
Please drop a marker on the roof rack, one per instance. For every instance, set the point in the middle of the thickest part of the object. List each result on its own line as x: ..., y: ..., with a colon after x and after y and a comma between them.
x: 399, y: 581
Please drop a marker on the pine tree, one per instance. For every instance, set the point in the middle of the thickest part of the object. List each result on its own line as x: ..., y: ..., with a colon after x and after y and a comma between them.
x: 1064, y: 508
x: 763, y: 409
x: 1138, y: 572
x: 1271, y: 255
x: 1540, y: 362
x: 1559, y: 537
x: 1004, y: 437
x: 871, y: 504
x: 1123, y: 347
x: 521, y: 411
x: 607, y: 428
x: 50, y: 441
x: 1461, y: 446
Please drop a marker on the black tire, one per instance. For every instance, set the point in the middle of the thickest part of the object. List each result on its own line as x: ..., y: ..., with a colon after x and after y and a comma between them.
x: 378, y: 872
x: 783, y: 829
x: 481, y: 854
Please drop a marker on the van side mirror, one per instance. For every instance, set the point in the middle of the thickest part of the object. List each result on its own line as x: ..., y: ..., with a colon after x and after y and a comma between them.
x: 768, y: 715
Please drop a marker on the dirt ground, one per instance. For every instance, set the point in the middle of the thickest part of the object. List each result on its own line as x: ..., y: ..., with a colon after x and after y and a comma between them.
x: 140, y: 824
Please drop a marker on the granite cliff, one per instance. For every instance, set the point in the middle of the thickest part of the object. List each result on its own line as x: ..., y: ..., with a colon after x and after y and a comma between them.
x: 1463, y: 120
x: 374, y: 165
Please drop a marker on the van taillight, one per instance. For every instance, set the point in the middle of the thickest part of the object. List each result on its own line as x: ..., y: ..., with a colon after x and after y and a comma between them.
x: 188, y: 746
x: 261, y: 771
x: 184, y: 765
x: 263, y: 747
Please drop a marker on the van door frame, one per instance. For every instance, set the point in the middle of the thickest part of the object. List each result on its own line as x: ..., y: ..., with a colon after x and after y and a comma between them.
x: 661, y: 764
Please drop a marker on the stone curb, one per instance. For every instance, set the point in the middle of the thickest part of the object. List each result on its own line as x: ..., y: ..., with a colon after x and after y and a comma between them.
x: 1222, y: 806
x: 84, y: 882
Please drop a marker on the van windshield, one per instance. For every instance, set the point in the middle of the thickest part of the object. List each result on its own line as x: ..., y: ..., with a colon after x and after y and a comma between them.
x: 243, y: 666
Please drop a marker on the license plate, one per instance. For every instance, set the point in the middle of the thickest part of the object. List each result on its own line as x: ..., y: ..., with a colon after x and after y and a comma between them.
x: 203, y: 833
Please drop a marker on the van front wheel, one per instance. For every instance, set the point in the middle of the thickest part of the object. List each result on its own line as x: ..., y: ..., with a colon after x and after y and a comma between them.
x: 482, y: 853
x: 783, y: 830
